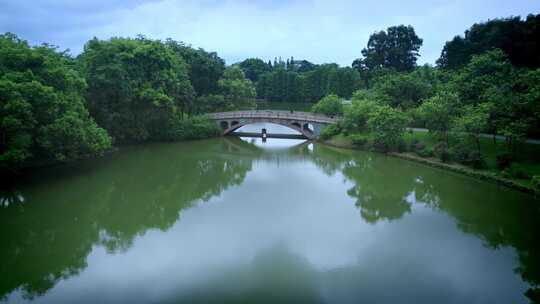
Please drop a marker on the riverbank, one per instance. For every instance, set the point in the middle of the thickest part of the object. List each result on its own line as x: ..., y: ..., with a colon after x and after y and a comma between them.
x: 341, y: 141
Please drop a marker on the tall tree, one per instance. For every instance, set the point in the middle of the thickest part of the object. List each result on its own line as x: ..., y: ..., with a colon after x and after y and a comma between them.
x: 238, y: 92
x: 253, y: 68
x: 395, y: 48
x: 204, y: 68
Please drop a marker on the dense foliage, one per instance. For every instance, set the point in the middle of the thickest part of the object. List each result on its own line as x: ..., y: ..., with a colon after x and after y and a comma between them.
x: 135, y: 89
x: 135, y: 86
x: 329, y: 105
x: 396, y: 48
x: 42, y: 112
x: 299, y: 81
x: 517, y: 38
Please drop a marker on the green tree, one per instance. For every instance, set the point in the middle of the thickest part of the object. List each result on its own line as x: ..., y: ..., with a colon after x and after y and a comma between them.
x: 395, y: 48
x: 238, y: 92
x: 438, y: 111
x: 387, y: 126
x: 482, y: 73
x: 355, y: 116
x: 472, y: 123
x: 42, y: 112
x: 204, y: 68
x: 253, y: 68
x: 135, y: 87
x: 402, y: 90
x: 515, y: 37
x: 329, y: 105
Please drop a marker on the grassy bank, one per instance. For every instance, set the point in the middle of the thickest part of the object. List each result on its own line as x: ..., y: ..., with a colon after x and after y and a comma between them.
x: 523, y: 169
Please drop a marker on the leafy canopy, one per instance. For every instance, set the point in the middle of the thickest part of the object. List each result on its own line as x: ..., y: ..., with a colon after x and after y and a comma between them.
x: 42, y: 112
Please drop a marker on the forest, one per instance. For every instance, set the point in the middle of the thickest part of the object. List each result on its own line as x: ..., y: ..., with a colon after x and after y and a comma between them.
x: 56, y: 107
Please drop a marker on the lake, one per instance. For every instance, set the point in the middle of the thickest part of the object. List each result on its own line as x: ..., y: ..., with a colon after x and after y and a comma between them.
x: 232, y: 220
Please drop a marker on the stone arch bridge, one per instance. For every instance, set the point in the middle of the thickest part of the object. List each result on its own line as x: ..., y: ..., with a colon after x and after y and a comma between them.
x: 308, y: 124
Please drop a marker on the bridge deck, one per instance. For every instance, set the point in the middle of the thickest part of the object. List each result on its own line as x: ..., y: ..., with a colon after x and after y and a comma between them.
x: 274, y: 114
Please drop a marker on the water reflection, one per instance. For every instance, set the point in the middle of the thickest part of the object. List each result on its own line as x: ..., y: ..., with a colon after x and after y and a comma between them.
x: 226, y: 220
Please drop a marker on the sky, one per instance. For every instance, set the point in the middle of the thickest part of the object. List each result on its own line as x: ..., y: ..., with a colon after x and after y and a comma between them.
x: 316, y: 30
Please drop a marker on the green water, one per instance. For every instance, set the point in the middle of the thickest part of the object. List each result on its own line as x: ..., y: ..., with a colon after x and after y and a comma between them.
x: 238, y: 221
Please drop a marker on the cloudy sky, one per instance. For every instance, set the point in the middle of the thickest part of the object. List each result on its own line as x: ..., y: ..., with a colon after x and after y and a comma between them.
x: 316, y: 30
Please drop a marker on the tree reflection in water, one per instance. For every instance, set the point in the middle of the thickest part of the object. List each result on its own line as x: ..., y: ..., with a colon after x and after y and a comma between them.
x: 110, y: 202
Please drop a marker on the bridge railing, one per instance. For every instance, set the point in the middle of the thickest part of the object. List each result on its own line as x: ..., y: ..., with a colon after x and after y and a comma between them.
x: 274, y: 114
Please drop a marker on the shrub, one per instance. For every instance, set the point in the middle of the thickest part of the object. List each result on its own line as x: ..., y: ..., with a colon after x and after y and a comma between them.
x: 380, y: 146
x: 535, y: 182
x: 425, y: 152
x: 416, y: 146
x: 518, y: 171
x: 402, y: 146
x: 359, y: 139
x: 440, y: 150
x: 467, y: 156
x: 476, y: 160
x: 330, y: 131
x: 505, y: 173
x: 329, y: 105
x: 197, y: 127
x: 504, y: 160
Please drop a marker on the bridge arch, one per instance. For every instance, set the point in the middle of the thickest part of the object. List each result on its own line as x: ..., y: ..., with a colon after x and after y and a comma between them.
x: 307, y: 124
x: 308, y: 133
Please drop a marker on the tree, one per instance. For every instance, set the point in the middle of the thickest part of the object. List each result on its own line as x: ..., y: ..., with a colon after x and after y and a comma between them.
x: 472, y: 123
x: 357, y: 114
x: 329, y: 105
x: 395, y: 48
x: 204, y: 68
x: 515, y: 37
x: 438, y: 111
x: 484, y: 72
x: 136, y: 86
x: 402, y: 90
x: 42, y: 112
x: 253, y: 68
x: 387, y: 126
x: 238, y: 92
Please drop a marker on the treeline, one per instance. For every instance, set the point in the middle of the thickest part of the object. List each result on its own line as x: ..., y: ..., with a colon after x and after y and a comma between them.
x: 54, y: 107
x: 299, y: 81
x: 517, y: 38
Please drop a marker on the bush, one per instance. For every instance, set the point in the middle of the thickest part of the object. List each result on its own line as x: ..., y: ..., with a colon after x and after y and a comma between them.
x: 467, y: 156
x: 330, y: 131
x: 359, y: 140
x: 504, y: 160
x: 425, y: 152
x: 329, y: 105
x: 441, y: 151
x: 535, y: 182
x: 380, y: 146
x: 505, y: 173
x: 197, y: 127
x: 416, y: 146
x: 476, y: 160
x: 402, y: 146
x: 518, y: 171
